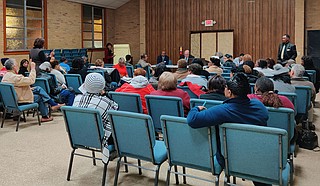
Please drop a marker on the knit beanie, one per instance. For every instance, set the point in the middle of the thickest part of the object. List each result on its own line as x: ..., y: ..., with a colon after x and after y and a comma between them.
x: 94, y: 83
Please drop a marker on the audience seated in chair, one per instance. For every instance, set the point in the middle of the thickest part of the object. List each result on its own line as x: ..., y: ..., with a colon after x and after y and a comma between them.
x: 121, y: 67
x: 25, y: 93
x: 167, y: 86
x: 94, y: 98
x: 281, y: 79
x: 64, y: 64
x: 237, y: 109
x: 264, y: 91
x: 23, y: 67
x: 60, y: 93
x: 138, y: 84
x: 78, y: 67
x: 297, y: 79
x: 194, y: 77
x: 216, y: 85
x: 182, y: 70
x: 214, y: 65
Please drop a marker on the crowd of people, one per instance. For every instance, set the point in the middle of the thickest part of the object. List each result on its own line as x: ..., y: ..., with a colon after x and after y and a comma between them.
x: 240, y: 105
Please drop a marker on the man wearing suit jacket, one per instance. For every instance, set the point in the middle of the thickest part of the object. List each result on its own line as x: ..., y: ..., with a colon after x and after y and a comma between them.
x: 286, y: 50
x: 163, y: 58
x: 187, y: 56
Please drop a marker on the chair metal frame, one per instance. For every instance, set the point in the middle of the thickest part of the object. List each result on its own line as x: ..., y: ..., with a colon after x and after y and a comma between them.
x: 97, y: 122
x: 15, y: 107
x: 200, y: 102
x: 182, y: 121
x: 282, y: 140
x: 147, y: 121
x: 151, y: 111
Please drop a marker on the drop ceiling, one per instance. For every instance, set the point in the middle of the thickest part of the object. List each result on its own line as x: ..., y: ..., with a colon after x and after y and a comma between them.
x: 112, y: 4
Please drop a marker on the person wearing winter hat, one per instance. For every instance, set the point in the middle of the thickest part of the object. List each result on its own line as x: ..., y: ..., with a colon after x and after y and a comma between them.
x: 140, y: 85
x: 281, y: 79
x: 93, y: 97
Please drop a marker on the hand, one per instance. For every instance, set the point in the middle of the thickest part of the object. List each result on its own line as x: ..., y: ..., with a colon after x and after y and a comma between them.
x: 201, y: 108
x: 32, y: 65
x: 63, y: 86
x: 52, y: 54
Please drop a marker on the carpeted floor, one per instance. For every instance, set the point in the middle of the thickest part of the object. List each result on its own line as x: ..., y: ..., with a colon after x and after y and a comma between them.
x: 39, y: 155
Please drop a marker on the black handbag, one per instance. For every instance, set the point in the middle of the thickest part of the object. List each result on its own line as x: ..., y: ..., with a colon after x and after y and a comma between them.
x: 307, y: 139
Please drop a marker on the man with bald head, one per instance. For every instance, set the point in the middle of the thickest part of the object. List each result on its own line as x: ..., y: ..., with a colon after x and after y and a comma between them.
x: 187, y: 56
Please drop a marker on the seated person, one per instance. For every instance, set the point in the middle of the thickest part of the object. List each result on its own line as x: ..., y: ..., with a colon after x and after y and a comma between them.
x: 140, y: 85
x: 187, y: 56
x: 143, y: 61
x: 297, y: 79
x: 194, y: 77
x: 281, y: 79
x: 201, y: 72
x: 129, y: 60
x: 228, y: 62
x: 56, y: 71
x: 64, y: 64
x: 237, y: 109
x: 25, y: 93
x: 167, y: 86
x: 163, y: 58
x: 121, y: 67
x: 264, y: 91
x: 182, y: 70
x: 59, y: 92
x: 3, y: 70
x: 94, y: 98
x: 262, y: 66
x: 78, y: 67
x: 214, y: 65
x: 23, y: 67
x: 216, y: 85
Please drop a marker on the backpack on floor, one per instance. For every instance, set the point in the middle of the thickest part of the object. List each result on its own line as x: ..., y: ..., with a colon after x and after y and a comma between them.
x: 307, y: 139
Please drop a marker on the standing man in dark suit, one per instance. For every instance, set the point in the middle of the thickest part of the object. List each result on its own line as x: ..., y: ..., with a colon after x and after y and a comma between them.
x: 163, y: 58
x: 286, y: 50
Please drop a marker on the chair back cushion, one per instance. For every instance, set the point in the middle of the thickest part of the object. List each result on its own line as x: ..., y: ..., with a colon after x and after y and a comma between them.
x: 9, y: 96
x: 130, y: 102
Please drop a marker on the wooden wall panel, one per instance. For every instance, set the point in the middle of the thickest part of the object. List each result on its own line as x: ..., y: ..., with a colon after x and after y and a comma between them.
x: 258, y: 24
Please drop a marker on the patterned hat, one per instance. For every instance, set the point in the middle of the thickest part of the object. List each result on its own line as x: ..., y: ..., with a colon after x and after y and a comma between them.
x: 94, y: 83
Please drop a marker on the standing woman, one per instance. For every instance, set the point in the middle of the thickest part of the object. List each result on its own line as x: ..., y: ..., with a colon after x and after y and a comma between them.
x: 37, y: 55
x: 108, y: 54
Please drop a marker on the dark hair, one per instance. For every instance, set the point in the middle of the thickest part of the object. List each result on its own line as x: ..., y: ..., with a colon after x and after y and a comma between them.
x: 268, y: 97
x: 195, y: 68
x: 23, y: 61
x: 242, y: 54
x: 239, y: 85
x: 270, y: 62
x: 63, y: 59
x: 54, y: 63
x: 3, y: 60
x: 143, y: 56
x: 216, y: 84
x: 263, y: 63
x: 108, y: 45
x: 285, y: 77
x: 128, y: 57
x: 287, y: 35
x: 249, y: 63
x: 215, y: 61
x: 228, y: 56
x: 308, y: 62
x: 38, y: 43
x: 198, y: 61
x: 77, y: 63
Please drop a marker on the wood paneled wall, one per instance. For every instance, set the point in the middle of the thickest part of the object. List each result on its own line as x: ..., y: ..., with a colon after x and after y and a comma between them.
x: 258, y: 24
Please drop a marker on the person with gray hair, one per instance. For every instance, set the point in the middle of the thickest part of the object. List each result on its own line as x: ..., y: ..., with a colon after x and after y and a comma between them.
x: 25, y: 93
x: 297, y: 79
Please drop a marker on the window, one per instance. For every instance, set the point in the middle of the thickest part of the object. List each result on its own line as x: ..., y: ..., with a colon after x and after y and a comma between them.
x: 24, y: 23
x: 92, y: 26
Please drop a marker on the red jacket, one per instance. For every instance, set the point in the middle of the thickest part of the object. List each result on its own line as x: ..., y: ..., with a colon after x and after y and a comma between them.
x: 126, y: 87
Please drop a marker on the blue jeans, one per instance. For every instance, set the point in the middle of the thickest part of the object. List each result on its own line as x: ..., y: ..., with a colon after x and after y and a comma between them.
x: 67, y: 97
x: 43, y: 108
x: 41, y: 97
